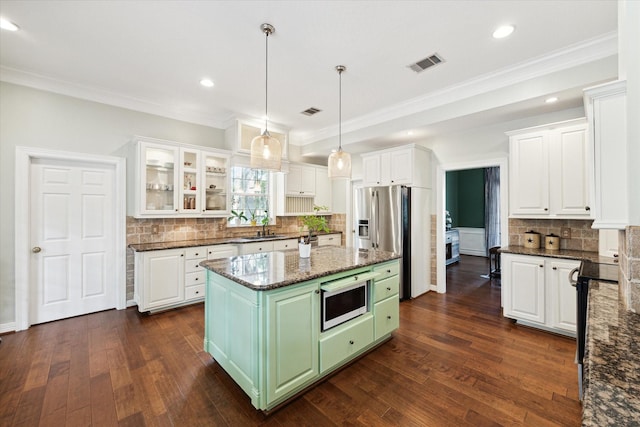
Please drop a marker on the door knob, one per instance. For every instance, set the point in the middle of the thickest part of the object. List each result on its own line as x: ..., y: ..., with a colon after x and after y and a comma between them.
x: 36, y: 249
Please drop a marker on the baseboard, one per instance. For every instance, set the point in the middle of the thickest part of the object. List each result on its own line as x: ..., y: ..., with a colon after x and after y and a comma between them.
x: 131, y: 303
x: 433, y: 288
x: 7, y: 327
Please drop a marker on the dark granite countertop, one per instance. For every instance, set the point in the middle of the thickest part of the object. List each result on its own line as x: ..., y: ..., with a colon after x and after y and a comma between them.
x: 612, y: 360
x: 143, y: 247
x: 562, y: 253
x: 270, y: 270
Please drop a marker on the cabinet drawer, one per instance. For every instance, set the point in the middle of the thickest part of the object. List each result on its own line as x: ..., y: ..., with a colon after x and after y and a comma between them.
x: 196, y: 278
x: 385, y: 288
x: 197, y: 252
x: 253, y: 248
x: 193, y: 292
x: 387, y: 316
x: 340, y: 346
x: 329, y: 240
x: 387, y: 270
x: 283, y: 245
x: 193, y: 265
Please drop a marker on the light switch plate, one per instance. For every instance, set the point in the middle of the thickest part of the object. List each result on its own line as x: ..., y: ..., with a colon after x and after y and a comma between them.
x: 565, y: 232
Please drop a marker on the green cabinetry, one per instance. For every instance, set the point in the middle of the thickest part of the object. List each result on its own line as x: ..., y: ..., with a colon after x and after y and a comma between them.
x: 270, y: 342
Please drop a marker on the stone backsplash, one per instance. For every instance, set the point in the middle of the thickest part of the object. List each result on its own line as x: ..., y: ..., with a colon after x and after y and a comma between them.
x: 178, y: 229
x: 583, y: 237
x: 629, y: 244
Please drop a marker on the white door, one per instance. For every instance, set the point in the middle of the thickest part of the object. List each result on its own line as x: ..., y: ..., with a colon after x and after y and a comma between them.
x: 72, y: 239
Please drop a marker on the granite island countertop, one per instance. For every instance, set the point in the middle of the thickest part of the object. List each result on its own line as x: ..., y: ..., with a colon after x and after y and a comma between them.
x: 612, y: 360
x: 154, y: 246
x: 270, y: 270
x: 561, y: 253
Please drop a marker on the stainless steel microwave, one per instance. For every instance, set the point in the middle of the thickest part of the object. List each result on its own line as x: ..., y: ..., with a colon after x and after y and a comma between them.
x: 344, y: 303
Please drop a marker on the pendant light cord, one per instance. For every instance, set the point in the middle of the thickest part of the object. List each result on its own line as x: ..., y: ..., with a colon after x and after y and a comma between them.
x: 266, y: 80
x: 340, y: 113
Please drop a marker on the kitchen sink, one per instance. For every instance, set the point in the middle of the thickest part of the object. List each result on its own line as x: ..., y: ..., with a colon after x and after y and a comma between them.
x: 259, y: 238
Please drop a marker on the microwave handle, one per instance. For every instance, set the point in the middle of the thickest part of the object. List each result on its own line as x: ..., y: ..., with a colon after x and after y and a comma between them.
x: 571, y: 273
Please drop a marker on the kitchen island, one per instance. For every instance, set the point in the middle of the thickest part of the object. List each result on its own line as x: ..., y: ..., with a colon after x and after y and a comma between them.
x: 263, y: 316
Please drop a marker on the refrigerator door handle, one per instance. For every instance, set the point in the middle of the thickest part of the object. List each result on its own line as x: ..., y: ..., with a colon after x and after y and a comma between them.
x: 374, y: 218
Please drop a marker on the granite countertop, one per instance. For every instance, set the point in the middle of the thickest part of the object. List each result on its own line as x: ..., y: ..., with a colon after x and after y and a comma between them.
x: 270, y: 270
x: 143, y: 247
x: 612, y: 360
x: 561, y: 253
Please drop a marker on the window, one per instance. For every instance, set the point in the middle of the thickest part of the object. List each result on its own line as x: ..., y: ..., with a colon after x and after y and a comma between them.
x: 250, y: 193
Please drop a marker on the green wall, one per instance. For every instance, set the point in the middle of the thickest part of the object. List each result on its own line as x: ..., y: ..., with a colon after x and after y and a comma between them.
x: 465, y: 197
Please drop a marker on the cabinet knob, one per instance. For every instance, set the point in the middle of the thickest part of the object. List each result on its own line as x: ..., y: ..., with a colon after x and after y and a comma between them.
x: 197, y: 278
x: 355, y: 277
x: 36, y: 249
x: 197, y: 292
x: 317, y: 291
x: 350, y: 341
x: 388, y: 271
x: 389, y: 317
x: 541, y: 266
x: 587, y: 208
x: 197, y: 254
x: 554, y: 268
x: 546, y: 209
x: 181, y: 254
x: 388, y: 288
x: 176, y: 210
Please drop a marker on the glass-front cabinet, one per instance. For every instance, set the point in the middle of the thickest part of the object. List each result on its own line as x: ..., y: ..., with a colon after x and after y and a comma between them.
x: 215, y: 183
x: 175, y: 179
x: 159, y: 178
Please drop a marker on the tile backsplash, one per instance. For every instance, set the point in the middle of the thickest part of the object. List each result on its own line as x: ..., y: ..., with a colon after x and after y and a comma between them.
x: 630, y: 268
x: 583, y: 237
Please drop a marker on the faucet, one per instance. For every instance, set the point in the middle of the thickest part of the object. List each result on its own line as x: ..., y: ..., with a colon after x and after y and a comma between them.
x: 265, y: 232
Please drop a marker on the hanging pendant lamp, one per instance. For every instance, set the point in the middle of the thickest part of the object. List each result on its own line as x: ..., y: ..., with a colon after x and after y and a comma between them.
x: 266, y: 152
x: 339, y: 161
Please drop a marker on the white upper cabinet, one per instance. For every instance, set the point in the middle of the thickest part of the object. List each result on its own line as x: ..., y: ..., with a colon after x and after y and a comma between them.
x: 409, y: 165
x: 549, y: 171
x: 169, y: 179
x: 301, y: 181
x: 323, y: 189
x: 606, y: 109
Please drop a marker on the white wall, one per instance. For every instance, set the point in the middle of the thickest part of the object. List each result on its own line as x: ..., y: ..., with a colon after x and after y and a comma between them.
x: 34, y: 118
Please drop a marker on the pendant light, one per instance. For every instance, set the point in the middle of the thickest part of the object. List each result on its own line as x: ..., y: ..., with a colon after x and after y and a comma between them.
x: 266, y: 152
x: 339, y: 161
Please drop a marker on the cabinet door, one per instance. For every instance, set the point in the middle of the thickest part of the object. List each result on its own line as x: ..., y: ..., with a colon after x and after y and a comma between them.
x: 293, y: 325
x: 371, y: 170
x: 158, y: 186
x: 529, y: 184
x: 189, y: 199
x: 387, y: 316
x: 562, y: 296
x: 610, y: 154
x: 323, y: 189
x: 523, y: 287
x: 163, y: 278
x: 569, y: 172
x: 215, y: 183
x: 401, y: 167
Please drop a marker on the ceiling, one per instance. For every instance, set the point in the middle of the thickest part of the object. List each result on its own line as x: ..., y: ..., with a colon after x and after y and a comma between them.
x: 150, y: 56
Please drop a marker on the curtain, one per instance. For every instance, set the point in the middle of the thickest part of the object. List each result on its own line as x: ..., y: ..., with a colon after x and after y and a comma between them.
x: 492, y: 207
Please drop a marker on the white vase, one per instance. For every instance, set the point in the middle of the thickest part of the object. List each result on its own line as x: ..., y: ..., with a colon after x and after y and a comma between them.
x: 305, y: 250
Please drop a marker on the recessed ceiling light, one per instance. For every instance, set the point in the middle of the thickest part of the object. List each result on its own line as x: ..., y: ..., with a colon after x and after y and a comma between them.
x: 8, y: 25
x: 551, y: 100
x: 206, y: 82
x: 410, y: 133
x: 503, y: 31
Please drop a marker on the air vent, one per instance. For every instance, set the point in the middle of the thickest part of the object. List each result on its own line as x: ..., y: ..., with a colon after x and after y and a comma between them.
x: 425, y: 63
x: 311, y: 111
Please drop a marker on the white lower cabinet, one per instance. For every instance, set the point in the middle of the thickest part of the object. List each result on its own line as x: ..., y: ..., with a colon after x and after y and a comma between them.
x: 329, y: 240
x: 283, y: 245
x: 159, y: 279
x: 254, y: 248
x: 536, y: 291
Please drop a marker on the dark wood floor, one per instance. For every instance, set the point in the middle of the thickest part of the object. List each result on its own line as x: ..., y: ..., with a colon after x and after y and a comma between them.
x: 454, y: 361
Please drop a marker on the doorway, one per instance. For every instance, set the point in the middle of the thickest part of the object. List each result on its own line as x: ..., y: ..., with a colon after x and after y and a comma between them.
x: 70, y: 213
x: 501, y: 165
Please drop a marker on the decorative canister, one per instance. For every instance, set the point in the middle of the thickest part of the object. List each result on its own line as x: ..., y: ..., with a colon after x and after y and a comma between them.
x: 531, y: 240
x: 552, y: 242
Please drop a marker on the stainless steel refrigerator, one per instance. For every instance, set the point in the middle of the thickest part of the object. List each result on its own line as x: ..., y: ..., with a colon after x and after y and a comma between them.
x: 397, y: 219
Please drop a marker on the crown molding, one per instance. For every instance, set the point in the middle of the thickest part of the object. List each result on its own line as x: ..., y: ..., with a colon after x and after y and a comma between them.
x: 96, y: 94
x: 569, y: 57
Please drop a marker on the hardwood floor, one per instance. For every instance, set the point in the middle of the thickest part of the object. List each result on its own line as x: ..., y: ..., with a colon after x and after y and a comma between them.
x: 455, y: 361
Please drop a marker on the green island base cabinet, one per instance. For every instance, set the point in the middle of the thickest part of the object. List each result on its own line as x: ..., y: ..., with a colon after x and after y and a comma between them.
x: 270, y: 341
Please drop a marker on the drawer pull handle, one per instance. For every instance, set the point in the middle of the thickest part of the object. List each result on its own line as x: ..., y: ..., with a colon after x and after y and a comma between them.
x: 541, y: 266
x: 197, y: 254
x: 554, y: 268
x: 197, y: 278
x: 197, y: 292
x: 355, y: 277
x: 388, y: 271
x: 350, y: 341
x: 389, y: 317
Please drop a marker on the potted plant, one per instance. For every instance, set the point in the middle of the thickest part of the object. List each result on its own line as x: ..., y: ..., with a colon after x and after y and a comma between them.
x: 314, y: 222
x: 253, y: 217
x: 237, y: 217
